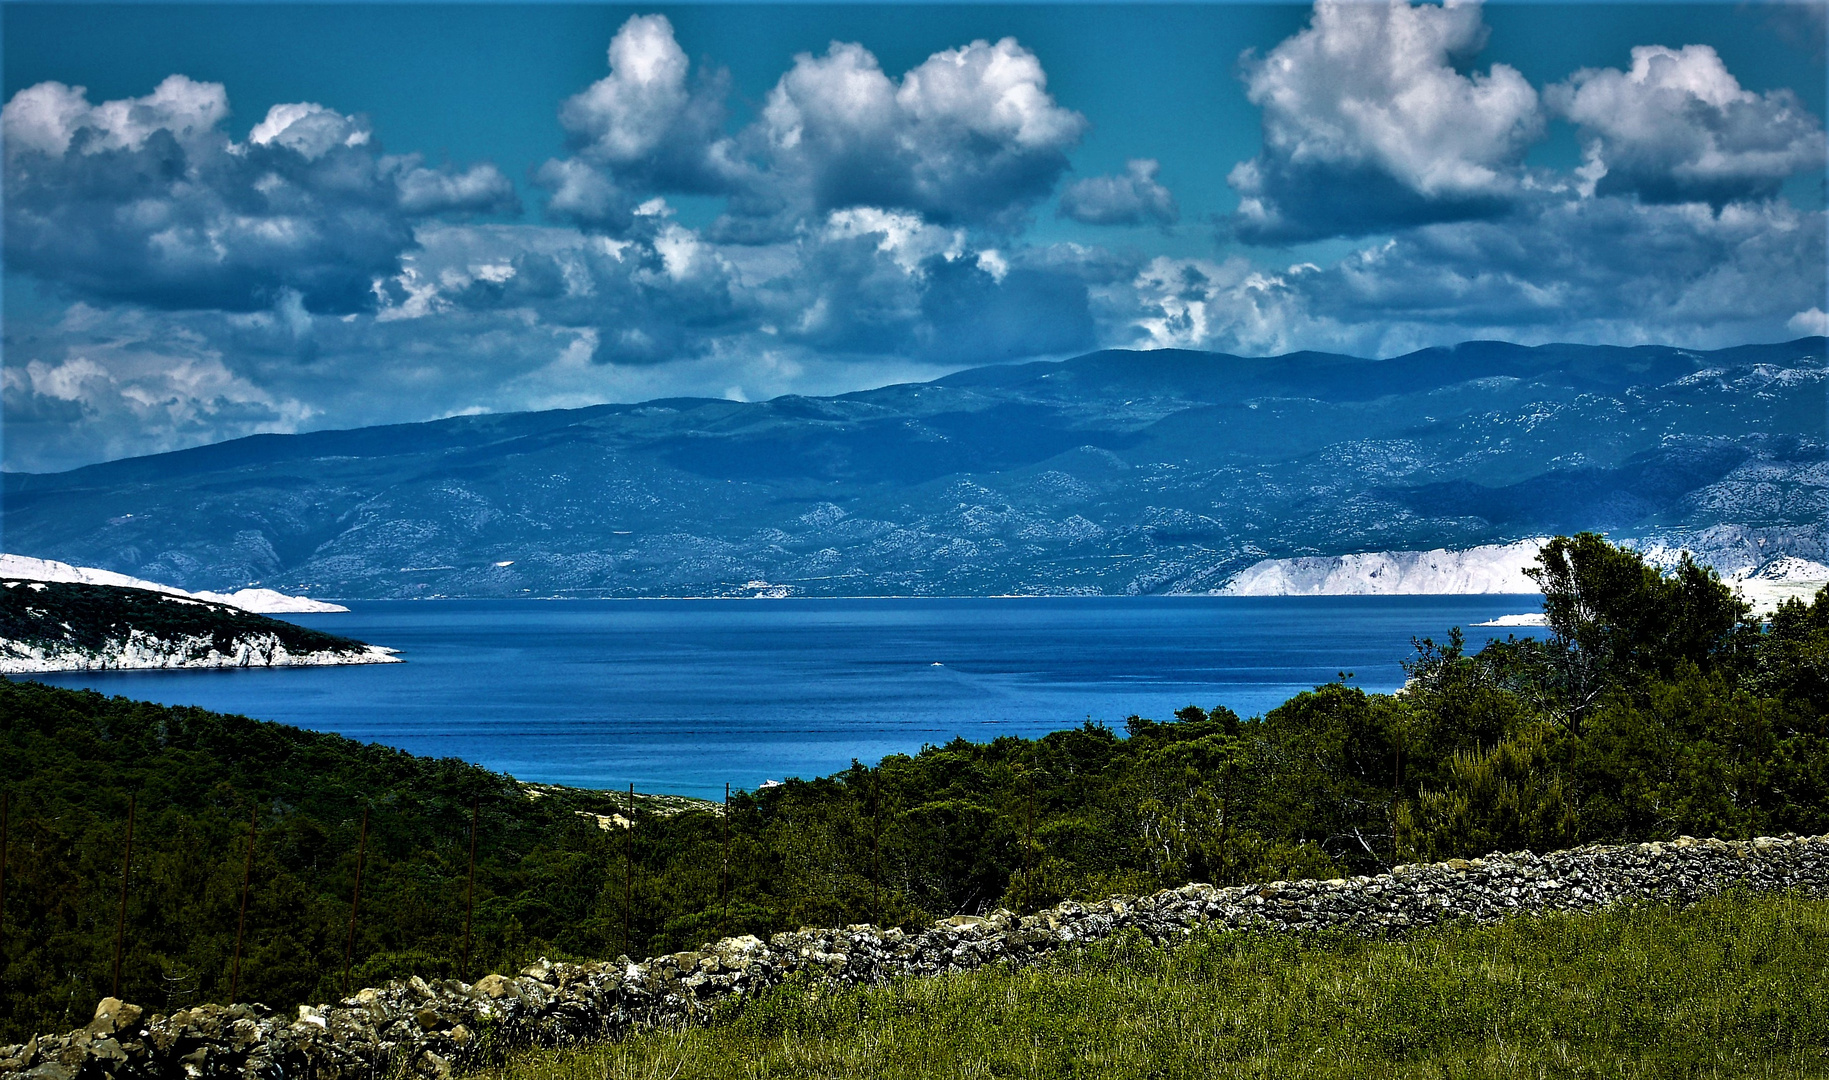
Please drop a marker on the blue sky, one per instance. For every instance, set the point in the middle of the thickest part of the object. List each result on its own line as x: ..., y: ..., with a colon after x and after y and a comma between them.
x: 343, y: 215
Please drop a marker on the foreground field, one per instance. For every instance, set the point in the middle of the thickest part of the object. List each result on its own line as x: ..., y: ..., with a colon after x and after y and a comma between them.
x: 1734, y: 986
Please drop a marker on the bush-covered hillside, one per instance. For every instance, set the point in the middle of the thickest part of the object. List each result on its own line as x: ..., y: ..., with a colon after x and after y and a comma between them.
x: 1656, y: 709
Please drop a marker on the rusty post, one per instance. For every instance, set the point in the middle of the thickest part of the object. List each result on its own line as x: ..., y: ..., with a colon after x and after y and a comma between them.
x: 476, y: 811
x: 1028, y: 841
x: 876, y: 849
x: 628, y: 877
x: 247, y: 879
x: 4, y: 798
x: 355, y: 902
x: 120, y: 928
x: 1225, y: 826
x: 724, y: 871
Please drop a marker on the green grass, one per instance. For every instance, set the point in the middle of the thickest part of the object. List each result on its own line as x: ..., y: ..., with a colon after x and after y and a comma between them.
x: 1736, y: 986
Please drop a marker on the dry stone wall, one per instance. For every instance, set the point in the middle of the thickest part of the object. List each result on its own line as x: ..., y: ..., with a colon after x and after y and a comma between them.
x: 430, y: 1029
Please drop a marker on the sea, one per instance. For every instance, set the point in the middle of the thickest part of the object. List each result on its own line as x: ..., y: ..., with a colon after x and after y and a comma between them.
x: 685, y: 696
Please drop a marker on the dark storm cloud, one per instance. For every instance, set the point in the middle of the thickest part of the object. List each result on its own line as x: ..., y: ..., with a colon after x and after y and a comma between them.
x: 147, y: 200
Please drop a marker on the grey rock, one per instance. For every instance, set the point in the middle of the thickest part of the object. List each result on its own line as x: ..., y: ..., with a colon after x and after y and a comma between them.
x: 428, y: 1030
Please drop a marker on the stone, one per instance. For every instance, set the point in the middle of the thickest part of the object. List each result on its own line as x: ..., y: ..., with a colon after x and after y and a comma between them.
x: 112, y: 1015
x: 425, y: 1029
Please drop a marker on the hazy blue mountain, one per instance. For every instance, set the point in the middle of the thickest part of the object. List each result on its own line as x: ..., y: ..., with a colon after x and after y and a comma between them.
x: 1115, y: 472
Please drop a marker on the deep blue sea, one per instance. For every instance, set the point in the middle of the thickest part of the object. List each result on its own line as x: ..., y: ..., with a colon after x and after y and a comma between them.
x: 682, y: 696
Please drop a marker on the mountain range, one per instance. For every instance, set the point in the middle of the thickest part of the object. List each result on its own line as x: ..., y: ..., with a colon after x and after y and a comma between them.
x: 1113, y: 473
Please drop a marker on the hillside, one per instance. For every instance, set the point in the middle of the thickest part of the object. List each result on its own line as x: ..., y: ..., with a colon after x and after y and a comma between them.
x: 1113, y: 473
x: 1654, y: 713
x: 70, y: 626
x: 70, y: 760
x: 259, y: 601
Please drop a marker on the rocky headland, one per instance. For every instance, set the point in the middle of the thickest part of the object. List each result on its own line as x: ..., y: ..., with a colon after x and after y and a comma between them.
x: 71, y: 626
x: 431, y: 1029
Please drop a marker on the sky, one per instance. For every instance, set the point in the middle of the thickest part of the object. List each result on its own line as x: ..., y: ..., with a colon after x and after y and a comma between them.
x: 224, y: 219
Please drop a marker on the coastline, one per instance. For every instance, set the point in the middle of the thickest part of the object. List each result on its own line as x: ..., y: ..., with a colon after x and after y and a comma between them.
x: 143, y: 653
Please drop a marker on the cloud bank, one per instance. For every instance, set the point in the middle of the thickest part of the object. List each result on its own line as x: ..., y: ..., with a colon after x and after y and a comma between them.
x: 872, y: 227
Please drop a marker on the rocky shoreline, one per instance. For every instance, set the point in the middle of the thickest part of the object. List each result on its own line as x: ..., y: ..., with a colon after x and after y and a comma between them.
x: 430, y: 1029
x: 140, y: 651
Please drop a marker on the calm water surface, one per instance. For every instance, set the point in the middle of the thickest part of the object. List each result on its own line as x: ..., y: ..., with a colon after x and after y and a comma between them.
x: 684, y: 695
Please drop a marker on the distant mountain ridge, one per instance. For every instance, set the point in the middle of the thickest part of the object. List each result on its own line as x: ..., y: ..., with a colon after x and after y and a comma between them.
x: 1117, y: 472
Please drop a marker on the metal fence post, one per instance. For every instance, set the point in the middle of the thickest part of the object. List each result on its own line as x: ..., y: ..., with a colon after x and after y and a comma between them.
x: 355, y: 902
x: 628, y: 877
x: 241, y: 926
x: 876, y: 850
x: 5, y: 797
x: 476, y: 811
x: 120, y: 929
x: 724, y: 871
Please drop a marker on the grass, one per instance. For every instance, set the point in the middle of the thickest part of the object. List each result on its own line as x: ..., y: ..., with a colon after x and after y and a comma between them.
x: 1735, y: 986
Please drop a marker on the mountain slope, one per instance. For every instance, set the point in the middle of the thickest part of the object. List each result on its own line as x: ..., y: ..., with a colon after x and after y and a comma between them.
x: 258, y: 601
x: 1115, y: 472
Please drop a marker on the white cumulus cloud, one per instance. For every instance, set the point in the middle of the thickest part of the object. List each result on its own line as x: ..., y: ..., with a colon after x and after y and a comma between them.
x: 969, y: 136
x: 1135, y: 198
x: 1369, y: 124
x: 49, y: 118
x: 649, y: 121
x: 1678, y: 126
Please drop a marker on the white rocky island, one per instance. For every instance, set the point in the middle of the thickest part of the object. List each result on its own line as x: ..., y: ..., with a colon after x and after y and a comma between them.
x: 48, y: 626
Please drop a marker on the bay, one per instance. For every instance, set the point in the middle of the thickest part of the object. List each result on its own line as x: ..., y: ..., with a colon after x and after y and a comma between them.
x: 683, y: 696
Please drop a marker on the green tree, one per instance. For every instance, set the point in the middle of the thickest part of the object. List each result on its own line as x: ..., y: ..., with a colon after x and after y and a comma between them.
x: 1617, y: 618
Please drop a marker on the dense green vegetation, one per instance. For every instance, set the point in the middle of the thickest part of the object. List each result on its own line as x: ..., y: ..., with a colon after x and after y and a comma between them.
x: 1656, y: 709
x: 1731, y: 987
x: 69, y: 615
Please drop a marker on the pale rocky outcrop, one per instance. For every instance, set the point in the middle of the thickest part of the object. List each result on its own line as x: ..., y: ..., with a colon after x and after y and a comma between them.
x: 1494, y: 568
x: 140, y: 651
